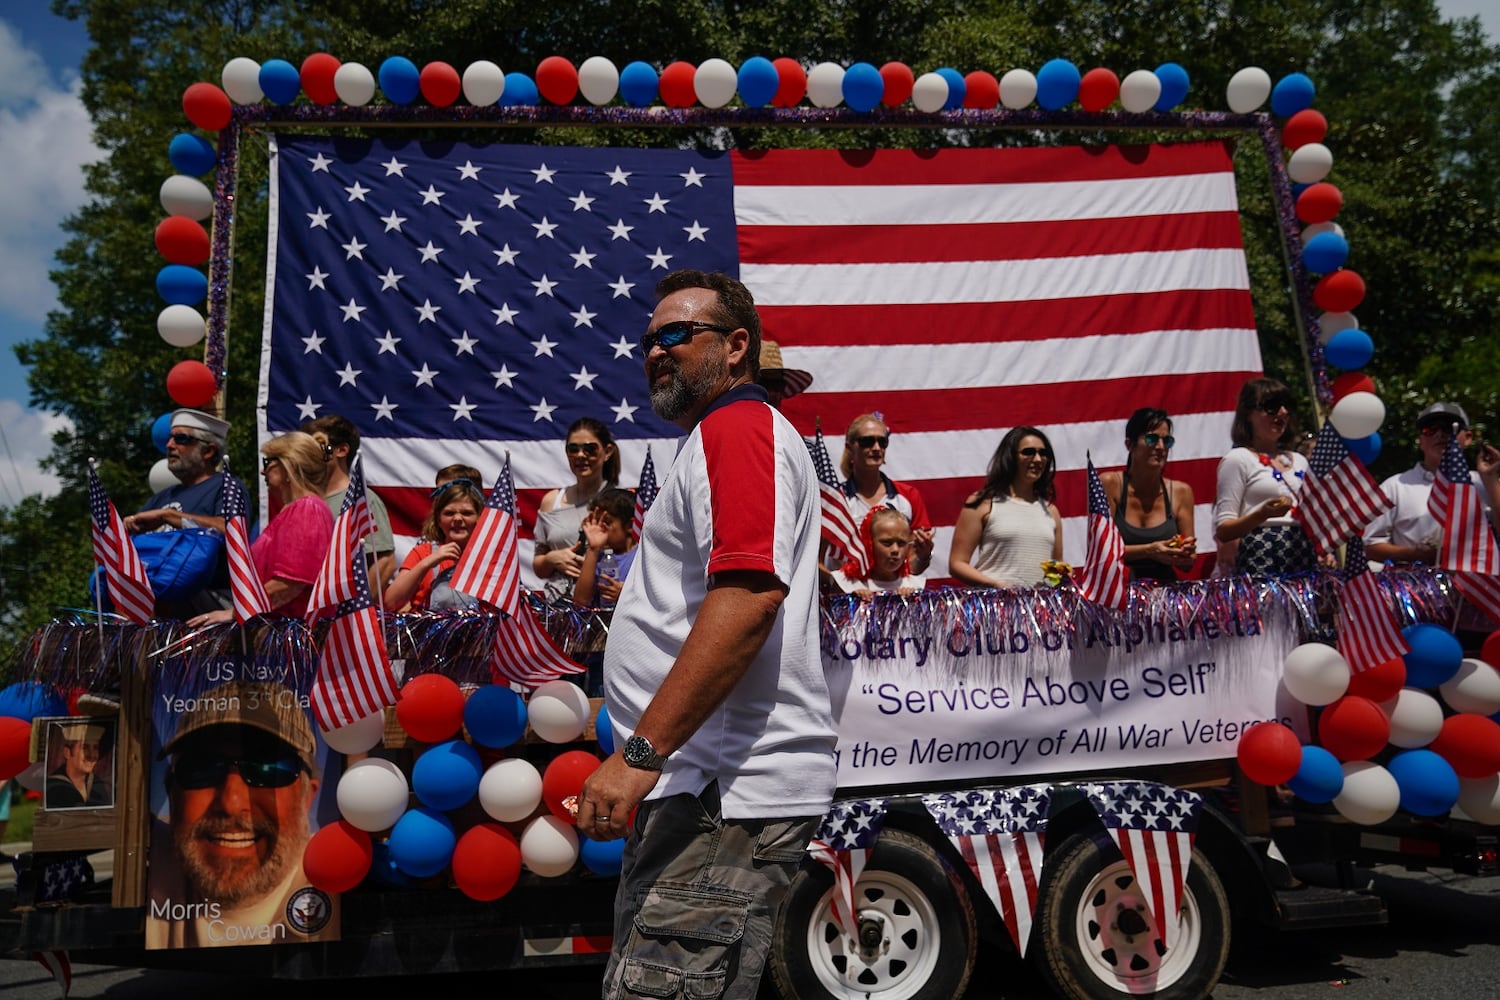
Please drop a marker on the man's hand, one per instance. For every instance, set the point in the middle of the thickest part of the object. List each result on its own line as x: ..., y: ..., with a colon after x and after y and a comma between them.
x: 611, y: 794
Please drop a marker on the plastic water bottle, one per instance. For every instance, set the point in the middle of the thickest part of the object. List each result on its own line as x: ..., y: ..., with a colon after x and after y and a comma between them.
x: 608, y: 566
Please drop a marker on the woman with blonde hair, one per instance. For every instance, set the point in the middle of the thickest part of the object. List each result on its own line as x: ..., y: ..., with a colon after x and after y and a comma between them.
x: 866, y: 486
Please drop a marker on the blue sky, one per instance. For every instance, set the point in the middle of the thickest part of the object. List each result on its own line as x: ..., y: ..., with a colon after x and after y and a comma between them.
x: 44, y: 143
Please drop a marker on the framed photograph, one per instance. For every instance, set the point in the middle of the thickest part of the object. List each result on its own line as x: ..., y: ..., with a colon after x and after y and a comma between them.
x: 79, y: 760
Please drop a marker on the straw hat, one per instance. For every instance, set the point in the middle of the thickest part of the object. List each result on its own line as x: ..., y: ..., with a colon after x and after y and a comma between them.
x: 796, y: 379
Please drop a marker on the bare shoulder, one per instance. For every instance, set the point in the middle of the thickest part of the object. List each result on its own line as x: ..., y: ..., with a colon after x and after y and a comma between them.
x: 1182, y: 493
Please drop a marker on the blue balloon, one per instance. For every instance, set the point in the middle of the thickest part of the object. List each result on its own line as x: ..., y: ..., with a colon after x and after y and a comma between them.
x: 447, y: 775
x: 1325, y: 252
x: 1366, y: 449
x: 864, y: 86
x: 399, y: 79
x: 1428, y: 785
x: 602, y: 857
x: 1057, y: 84
x: 384, y: 870
x: 1174, y: 86
x: 1319, y: 778
x: 758, y: 81
x: 191, y: 154
x: 1434, y: 657
x: 1297, y: 189
x: 604, y: 730
x: 520, y: 91
x: 638, y: 84
x: 1291, y: 94
x: 422, y: 842
x: 181, y: 285
x: 495, y: 716
x: 957, y: 87
x: 161, y: 429
x: 1349, y: 349
x: 31, y: 700
x: 280, y: 81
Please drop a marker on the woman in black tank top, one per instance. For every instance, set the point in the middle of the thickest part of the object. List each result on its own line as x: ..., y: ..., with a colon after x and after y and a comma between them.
x: 1154, y: 514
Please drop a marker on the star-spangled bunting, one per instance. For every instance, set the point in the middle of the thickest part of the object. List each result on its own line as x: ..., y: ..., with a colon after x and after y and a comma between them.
x: 1368, y: 634
x: 129, y: 587
x: 246, y: 588
x: 1104, y: 579
x: 489, y: 569
x: 1001, y: 834
x: 336, y: 583
x: 843, y: 843
x: 1154, y: 827
x: 645, y: 495
x: 839, y: 527
x: 1340, y: 497
x: 1469, y: 549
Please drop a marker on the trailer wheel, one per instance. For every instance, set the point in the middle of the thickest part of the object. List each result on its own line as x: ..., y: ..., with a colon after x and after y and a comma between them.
x: 916, y: 930
x: 1096, y: 939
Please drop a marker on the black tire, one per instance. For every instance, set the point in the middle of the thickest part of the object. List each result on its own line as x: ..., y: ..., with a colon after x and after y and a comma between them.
x: 908, y: 893
x: 1085, y: 955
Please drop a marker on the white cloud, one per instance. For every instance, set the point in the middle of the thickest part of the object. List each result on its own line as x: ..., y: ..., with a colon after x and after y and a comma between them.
x: 22, y: 71
x: 25, y: 438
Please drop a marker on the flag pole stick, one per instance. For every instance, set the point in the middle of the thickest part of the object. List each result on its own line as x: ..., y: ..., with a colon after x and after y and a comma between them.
x: 99, y: 590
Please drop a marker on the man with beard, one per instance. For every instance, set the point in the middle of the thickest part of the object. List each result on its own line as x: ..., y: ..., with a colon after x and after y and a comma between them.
x: 226, y: 866
x: 713, y: 675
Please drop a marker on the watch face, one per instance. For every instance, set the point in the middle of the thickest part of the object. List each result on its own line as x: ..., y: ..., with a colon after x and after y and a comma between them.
x: 638, y: 752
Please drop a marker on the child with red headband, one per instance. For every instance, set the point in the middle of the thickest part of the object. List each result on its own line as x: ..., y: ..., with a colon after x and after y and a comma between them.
x: 887, y: 536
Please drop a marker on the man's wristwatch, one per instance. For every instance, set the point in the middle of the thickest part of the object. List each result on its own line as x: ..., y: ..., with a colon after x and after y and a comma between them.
x: 639, y: 753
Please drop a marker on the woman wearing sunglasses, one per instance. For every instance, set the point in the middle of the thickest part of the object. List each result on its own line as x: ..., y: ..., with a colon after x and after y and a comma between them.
x: 422, y: 581
x: 1011, y: 526
x: 866, y: 486
x: 595, y: 463
x: 1154, y: 513
x: 289, y: 552
x: 1258, y: 484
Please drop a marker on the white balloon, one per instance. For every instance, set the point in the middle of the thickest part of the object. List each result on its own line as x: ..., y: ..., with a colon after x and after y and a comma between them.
x: 484, y: 82
x: 181, y: 326
x: 825, y: 85
x: 930, y: 92
x: 599, y: 80
x: 358, y: 736
x: 716, y: 81
x: 1017, y: 89
x: 1331, y: 323
x: 549, y: 847
x: 1357, y: 415
x: 372, y: 794
x: 1475, y: 688
x: 510, y: 790
x: 184, y: 195
x: 1315, y: 674
x: 354, y: 84
x: 1416, y: 718
x: 558, y: 711
x: 1309, y: 164
x: 1479, y: 798
x: 1370, y: 794
x: 1319, y: 228
x: 160, y: 477
x: 241, y: 78
x: 1248, y: 89
x: 1140, y: 91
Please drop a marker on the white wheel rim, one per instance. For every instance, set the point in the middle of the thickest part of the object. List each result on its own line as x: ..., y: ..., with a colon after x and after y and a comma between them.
x: 912, y: 940
x: 1133, y: 963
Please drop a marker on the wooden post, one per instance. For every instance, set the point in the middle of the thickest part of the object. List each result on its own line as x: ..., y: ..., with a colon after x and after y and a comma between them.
x: 132, y: 806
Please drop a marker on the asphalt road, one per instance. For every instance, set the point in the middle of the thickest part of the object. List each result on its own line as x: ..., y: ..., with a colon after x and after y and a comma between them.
x: 1443, y: 940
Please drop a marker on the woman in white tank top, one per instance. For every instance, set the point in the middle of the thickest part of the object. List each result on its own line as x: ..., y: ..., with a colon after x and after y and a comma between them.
x: 1010, y: 526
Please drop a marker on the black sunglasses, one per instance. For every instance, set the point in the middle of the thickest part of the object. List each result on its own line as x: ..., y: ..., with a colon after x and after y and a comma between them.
x: 193, y: 771
x: 1272, y: 404
x: 1035, y: 452
x: 267, y: 461
x: 185, y: 440
x: 871, y: 440
x: 589, y: 448
x: 1152, y: 440
x: 670, y: 335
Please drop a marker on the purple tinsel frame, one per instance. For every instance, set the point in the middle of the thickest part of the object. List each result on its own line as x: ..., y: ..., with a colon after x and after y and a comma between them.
x: 254, y: 116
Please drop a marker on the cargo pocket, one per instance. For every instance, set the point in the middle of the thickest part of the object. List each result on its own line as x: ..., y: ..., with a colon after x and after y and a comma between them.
x: 684, y: 943
x: 784, y: 841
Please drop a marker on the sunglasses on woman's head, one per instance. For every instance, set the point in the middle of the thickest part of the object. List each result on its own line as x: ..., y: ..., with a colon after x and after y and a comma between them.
x: 670, y: 335
x: 871, y: 440
x: 589, y: 448
x: 1035, y: 453
x: 1165, y: 440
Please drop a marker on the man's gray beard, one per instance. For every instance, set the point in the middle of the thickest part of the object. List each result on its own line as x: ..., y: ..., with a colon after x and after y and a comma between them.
x: 238, y: 884
x: 674, y: 398
x: 187, y: 467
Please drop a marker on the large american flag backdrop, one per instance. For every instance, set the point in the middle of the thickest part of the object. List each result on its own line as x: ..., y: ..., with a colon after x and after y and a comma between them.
x: 459, y: 300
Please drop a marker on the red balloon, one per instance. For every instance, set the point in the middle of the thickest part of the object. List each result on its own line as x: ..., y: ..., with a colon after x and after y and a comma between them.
x: 1380, y: 683
x: 430, y: 708
x: 15, y: 746
x: 899, y: 80
x: 564, y: 777
x: 1353, y: 728
x: 793, y: 83
x: 1340, y: 291
x: 1098, y: 89
x: 182, y: 240
x: 486, y: 862
x: 1319, y: 203
x: 981, y: 90
x: 338, y: 857
x: 1269, y: 753
x: 317, y: 77
x: 206, y: 106
x: 1307, y: 125
x: 1353, y: 382
x: 1490, y: 651
x: 557, y: 80
x: 1470, y: 743
x: 440, y: 84
x: 677, y: 85
x: 191, y: 384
